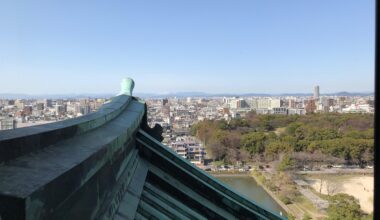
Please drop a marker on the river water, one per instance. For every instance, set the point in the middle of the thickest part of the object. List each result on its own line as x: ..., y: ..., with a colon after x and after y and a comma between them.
x: 247, y: 186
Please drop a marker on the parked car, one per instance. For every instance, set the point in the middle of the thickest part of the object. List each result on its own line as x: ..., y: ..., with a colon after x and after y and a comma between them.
x: 222, y: 168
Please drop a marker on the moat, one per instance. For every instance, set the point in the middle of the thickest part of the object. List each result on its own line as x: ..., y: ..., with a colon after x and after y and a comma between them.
x: 248, y: 187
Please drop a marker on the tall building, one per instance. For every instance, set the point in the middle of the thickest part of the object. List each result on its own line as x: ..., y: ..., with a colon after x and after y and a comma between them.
x: 316, y: 92
x: 61, y: 109
x: 264, y: 103
x: 252, y: 103
x: 238, y: 103
x: 233, y: 104
x: 292, y: 103
x: 242, y: 103
x: 48, y: 103
x: 275, y: 103
x: 165, y: 101
x: 19, y: 104
x: 85, y: 109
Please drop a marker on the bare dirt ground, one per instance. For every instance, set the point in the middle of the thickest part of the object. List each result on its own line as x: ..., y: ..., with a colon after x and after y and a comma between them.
x: 361, y: 187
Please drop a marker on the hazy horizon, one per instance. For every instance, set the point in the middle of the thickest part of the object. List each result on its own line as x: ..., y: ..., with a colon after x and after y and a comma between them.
x: 173, y: 94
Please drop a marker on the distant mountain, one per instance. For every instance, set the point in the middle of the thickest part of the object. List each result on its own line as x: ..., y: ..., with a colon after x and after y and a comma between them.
x: 176, y: 94
x: 205, y: 95
x: 144, y: 95
x: 14, y: 96
x: 52, y: 96
x: 353, y: 93
x: 170, y: 95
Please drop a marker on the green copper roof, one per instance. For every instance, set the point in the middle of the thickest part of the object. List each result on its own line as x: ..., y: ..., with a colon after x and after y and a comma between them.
x: 127, y: 86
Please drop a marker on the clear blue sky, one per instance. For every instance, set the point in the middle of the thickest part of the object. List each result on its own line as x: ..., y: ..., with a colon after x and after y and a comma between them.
x: 237, y: 46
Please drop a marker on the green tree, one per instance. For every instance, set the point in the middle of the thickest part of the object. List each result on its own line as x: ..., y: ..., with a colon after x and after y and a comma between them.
x: 222, y: 124
x: 299, y: 133
x: 343, y: 207
x: 286, y: 163
x: 273, y: 148
x: 347, y: 137
x: 291, y: 128
x: 254, y: 142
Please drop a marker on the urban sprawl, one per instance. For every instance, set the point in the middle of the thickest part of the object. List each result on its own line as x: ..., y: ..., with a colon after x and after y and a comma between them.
x: 177, y: 115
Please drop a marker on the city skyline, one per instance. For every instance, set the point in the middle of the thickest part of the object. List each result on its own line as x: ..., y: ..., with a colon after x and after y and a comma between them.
x: 212, y: 47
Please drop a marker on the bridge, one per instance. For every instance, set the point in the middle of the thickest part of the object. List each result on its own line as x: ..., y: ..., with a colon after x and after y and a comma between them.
x: 109, y: 165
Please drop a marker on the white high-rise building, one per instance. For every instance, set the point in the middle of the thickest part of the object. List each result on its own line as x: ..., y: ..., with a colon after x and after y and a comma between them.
x: 264, y: 103
x: 234, y: 103
x: 316, y: 92
x: 275, y: 103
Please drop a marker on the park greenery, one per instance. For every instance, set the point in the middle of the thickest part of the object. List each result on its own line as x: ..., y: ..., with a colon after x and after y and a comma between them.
x: 294, y: 142
x: 345, y: 207
x: 299, y: 140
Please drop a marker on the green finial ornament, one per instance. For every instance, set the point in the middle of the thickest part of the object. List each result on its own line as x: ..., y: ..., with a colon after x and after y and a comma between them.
x: 127, y: 85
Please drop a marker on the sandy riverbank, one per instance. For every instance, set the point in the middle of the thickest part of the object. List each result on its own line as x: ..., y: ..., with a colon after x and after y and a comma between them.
x: 361, y: 187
